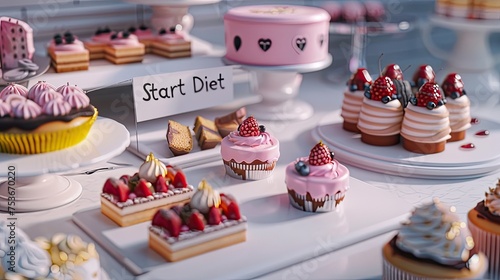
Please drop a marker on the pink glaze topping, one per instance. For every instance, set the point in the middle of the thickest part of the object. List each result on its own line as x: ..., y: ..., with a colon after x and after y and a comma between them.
x: 56, y: 107
x: 39, y: 87
x: 14, y: 99
x: 5, y: 109
x: 104, y: 37
x: 26, y: 110
x: 13, y: 89
x: 247, y: 149
x: 45, y: 96
x: 131, y: 40
x: 75, y: 46
x: 77, y: 100
x: 67, y: 89
x: 322, y: 180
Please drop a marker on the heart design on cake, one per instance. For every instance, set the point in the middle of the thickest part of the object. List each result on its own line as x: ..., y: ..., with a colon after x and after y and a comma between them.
x: 237, y: 42
x: 300, y: 42
x: 321, y: 40
x: 265, y: 44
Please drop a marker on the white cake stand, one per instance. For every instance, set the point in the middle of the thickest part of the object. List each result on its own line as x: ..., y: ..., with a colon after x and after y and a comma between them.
x: 278, y: 86
x: 35, y: 189
x: 168, y: 13
x: 471, y: 56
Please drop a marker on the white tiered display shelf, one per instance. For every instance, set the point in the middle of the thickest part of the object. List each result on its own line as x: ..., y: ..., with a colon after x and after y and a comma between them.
x: 31, y: 184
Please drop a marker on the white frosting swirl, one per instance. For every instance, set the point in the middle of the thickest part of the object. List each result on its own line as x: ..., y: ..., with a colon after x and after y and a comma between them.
x: 77, y: 100
x: 26, y: 109
x: 205, y: 197
x: 152, y: 168
x: 459, y: 110
x: 426, y: 126
x: 14, y: 89
x: 492, y: 200
x: 45, y: 96
x: 351, y: 105
x: 56, y: 107
x: 252, y: 141
x: 377, y: 118
x: 5, y: 109
x: 39, y: 87
x: 435, y: 232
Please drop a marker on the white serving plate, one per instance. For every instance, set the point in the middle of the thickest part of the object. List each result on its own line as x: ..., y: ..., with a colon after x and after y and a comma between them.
x: 278, y: 235
x: 452, y: 162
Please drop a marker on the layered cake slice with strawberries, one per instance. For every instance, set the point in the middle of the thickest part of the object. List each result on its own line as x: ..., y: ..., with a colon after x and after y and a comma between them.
x: 130, y: 200
x: 208, y: 222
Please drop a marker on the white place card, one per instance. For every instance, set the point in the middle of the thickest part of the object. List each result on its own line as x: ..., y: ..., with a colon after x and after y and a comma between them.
x: 157, y: 96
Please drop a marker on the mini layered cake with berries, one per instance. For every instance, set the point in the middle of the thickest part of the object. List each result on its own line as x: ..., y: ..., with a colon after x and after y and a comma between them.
x: 68, y: 54
x: 124, y: 48
x: 42, y: 119
x: 250, y: 153
x: 98, y: 43
x: 317, y: 183
x: 458, y: 105
x: 172, y: 43
x: 134, y: 199
x: 426, y: 124
x: 209, y: 222
x: 381, y: 114
x: 145, y: 35
x: 353, y: 98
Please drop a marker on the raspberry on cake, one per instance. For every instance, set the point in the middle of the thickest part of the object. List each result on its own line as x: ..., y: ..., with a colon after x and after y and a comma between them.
x: 426, y: 125
x: 317, y: 183
x: 98, y: 43
x: 68, y: 54
x: 458, y: 105
x: 353, y: 98
x: 381, y: 114
x: 172, y: 43
x: 250, y: 153
x: 124, y: 47
x: 209, y: 222
x: 130, y: 200
x: 180, y: 141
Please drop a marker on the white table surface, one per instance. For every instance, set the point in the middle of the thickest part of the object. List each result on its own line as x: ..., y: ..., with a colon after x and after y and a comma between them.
x: 362, y: 260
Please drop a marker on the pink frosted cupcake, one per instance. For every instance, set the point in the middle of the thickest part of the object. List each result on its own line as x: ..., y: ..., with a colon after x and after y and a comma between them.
x: 250, y: 153
x: 484, y: 224
x: 317, y: 183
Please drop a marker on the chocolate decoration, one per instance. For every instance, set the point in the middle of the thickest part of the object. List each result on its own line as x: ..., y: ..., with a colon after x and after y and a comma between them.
x: 315, y: 203
x: 237, y: 42
x: 321, y: 40
x: 458, y: 266
x: 301, y: 43
x: 484, y: 213
x: 7, y: 123
x: 403, y: 91
x: 265, y: 44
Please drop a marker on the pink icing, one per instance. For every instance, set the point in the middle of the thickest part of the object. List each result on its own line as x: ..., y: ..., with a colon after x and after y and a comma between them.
x: 102, y: 38
x: 171, y: 37
x: 322, y: 180
x: 263, y: 139
x: 14, y: 99
x: 39, y: 87
x: 76, y: 46
x: 56, y: 107
x: 45, y: 96
x: 143, y: 34
x: 131, y: 40
x: 5, y: 109
x: 268, y: 150
x: 13, y: 89
x: 67, y: 89
x: 77, y: 99
x: 257, y: 35
x: 26, y: 110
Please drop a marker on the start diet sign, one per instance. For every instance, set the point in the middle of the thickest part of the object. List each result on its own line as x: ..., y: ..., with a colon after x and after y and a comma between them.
x: 162, y: 95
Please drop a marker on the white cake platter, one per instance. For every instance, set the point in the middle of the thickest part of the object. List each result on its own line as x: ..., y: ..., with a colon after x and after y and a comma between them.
x: 453, y: 163
x: 36, y: 189
x: 272, y: 235
x: 279, y: 86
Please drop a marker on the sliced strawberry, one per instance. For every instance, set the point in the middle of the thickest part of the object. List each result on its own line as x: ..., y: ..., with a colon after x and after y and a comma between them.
x: 180, y: 180
x: 224, y: 204
x: 196, y: 221
x: 233, y: 211
x: 429, y: 96
x: 453, y: 86
x: 170, y: 174
x: 249, y: 127
x: 125, y: 178
x: 109, y: 186
x: 117, y: 188
x: 168, y: 220
x: 214, y: 216
x: 142, y: 188
x: 424, y: 74
x: 161, y: 184
x: 320, y: 155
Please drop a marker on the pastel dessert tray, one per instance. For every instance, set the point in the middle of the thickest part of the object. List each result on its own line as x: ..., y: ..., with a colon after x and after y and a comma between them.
x: 269, y: 215
x: 474, y: 156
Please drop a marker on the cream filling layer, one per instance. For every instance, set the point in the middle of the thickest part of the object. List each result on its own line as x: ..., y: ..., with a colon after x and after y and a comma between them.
x: 426, y: 126
x: 377, y: 118
x: 459, y: 110
x: 351, y: 105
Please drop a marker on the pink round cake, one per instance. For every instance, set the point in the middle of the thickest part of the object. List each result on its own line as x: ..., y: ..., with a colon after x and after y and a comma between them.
x: 317, y: 183
x: 276, y: 35
x: 250, y: 153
